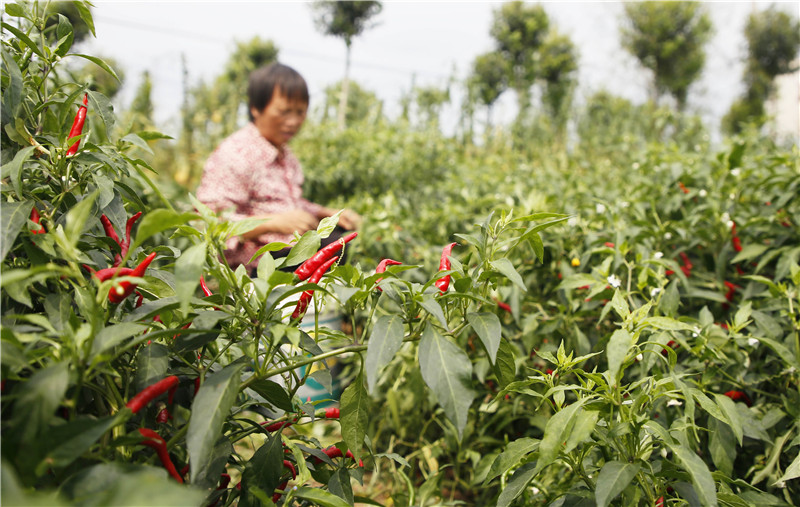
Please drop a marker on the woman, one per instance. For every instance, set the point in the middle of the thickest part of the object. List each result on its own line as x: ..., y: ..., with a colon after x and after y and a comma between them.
x: 254, y: 174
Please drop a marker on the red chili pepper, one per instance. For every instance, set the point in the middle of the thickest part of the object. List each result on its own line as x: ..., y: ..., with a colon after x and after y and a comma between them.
x: 149, y: 393
x: 306, y: 269
x: 335, y: 452
x: 731, y: 290
x: 282, y: 486
x: 382, y: 265
x: 163, y: 416
x: 683, y: 187
x: 125, y: 244
x: 36, y: 218
x: 305, y: 297
x: 672, y: 344
x: 609, y: 244
x: 272, y: 427
x: 659, y: 502
x: 124, y: 289
x: 503, y: 306
x: 737, y: 243
x: 154, y: 441
x: 77, y: 125
x: 206, y: 291
x: 739, y: 396
x: 444, y: 264
x: 331, y: 413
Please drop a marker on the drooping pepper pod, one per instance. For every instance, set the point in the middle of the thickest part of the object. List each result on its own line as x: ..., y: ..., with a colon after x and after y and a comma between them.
x: 36, y: 218
x: 124, y: 245
x: 123, y: 289
x: 444, y: 265
x: 151, y: 392
x: 77, y: 125
x: 382, y: 265
x: 308, y: 268
x: 157, y: 442
x: 305, y: 297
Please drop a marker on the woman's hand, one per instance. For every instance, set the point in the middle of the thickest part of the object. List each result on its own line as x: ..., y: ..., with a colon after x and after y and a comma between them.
x: 350, y: 220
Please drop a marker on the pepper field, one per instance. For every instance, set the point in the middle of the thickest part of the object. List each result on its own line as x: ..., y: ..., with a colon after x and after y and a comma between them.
x: 620, y: 327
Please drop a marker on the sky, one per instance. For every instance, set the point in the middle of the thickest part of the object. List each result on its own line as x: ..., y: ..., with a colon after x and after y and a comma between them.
x: 422, y: 43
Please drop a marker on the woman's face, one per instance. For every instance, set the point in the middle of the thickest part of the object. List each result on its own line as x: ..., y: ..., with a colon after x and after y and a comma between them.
x: 281, y: 119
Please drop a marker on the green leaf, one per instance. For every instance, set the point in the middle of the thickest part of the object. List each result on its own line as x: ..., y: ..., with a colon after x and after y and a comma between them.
x: 517, y: 484
x: 617, y: 350
x: 577, y: 280
x: 13, y: 169
x: 731, y: 413
x: 319, y: 497
x: 103, y: 65
x: 137, y: 141
x: 620, y: 305
x: 556, y: 433
x: 511, y: 455
x: 273, y: 393
x: 306, y: 246
x: 72, y: 439
x: 384, y: 342
x: 488, y: 328
x: 12, y: 96
x: 210, y: 408
x: 151, y: 365
x: 339, y: 485
x: 722, y: 445
x: 188, y: 270
x: 792, y: 472
x: 433, y: 307
x: 208, y: 476
x: 701, y: 477
x: 749, y: 252
x: 505, y: 367
x: 127, y: 484
x: 666, y: 324
x: 613, y: 479
x: 113, y: 335
x: 328, y: 224
x: 354, y: 417
x: 38, y: 399
x: 25, y: 40
x: 264, y: 469
x: 505, y: 267
x: 13, y: 217
x: 159, y: 220
x: 77, y: 218
x: 447, y: 370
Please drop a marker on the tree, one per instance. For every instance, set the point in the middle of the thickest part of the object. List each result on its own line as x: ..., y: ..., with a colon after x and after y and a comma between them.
x: 559, y: 61
x: 668, y: 38
x: 345, y: 20
x: 773, y: 39
x: 361, y: 103
x: 141, y: 110
x: 489, y: 79
x: 519, y: 30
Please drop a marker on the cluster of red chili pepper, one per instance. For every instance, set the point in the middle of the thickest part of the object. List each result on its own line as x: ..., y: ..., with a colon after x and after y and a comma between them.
x: 686, y: 267
x: 313, y: 269
x: 123, y: 289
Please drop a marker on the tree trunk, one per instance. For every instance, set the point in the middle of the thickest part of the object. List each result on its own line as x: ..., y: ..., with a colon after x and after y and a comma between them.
x: 345, y: 89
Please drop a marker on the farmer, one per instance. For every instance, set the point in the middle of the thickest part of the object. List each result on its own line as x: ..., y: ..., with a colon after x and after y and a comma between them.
x: 253, y: 173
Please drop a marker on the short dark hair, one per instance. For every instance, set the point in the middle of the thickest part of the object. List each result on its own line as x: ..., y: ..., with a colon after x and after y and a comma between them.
x: 264, y: 80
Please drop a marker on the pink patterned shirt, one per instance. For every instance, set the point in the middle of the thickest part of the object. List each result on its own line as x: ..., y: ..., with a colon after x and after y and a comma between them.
x: 245, y: 177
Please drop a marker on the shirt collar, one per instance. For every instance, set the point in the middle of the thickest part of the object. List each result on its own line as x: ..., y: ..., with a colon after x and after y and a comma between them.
x: 271, y: 152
